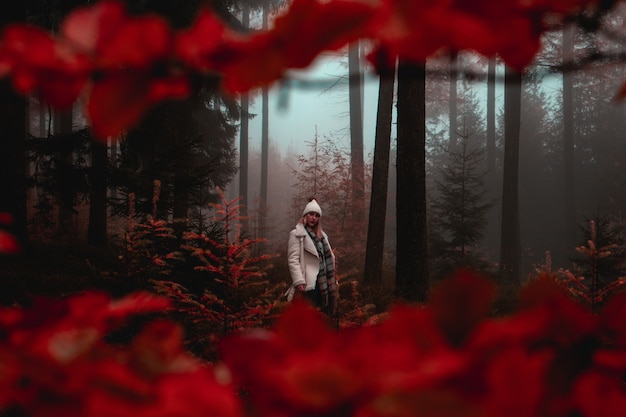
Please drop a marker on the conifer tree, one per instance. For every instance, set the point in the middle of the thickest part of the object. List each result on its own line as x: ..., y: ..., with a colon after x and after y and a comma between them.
x: 458, y: 209
x: 188, y: 145
x: 607, y: 236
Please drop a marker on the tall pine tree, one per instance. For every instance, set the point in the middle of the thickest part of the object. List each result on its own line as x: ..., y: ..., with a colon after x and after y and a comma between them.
x: 459, y: 211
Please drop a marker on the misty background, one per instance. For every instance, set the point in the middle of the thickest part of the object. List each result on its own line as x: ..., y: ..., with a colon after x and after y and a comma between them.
x: 308, y: 116
x: 317, y: 109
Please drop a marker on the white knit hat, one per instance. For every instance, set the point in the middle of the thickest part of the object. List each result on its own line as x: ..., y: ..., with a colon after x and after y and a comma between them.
x: 312, y: 207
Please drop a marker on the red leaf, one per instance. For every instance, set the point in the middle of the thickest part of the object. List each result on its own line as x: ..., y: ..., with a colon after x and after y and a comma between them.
x: 36, y: 62
x: 306, y: 29
x: 137, y: 43
x: 599, y: 395
x: 91, y: 27
x: 118, y: 100
x: 202, y: 46
x: 310, y: 337
x: 9, y: 244
x: 613, y: 320
x: 416, y: 30
x: 460, y: 303
x: 516, y: 381
x: 300, y: 368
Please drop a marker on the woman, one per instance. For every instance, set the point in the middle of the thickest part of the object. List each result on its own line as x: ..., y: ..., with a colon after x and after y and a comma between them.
x: 312, y: 261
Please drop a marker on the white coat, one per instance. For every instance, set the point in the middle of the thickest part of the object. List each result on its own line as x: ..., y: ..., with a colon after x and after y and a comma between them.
x: 303, y: 259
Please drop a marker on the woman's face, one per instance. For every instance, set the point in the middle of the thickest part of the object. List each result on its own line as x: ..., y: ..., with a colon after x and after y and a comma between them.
x: 312, y: 219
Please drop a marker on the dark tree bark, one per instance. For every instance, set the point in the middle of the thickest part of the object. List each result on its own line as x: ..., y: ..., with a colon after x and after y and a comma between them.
x: 180, y: 209
x: 63, y: 124
x: 491, y: 120
x: 510, y: 243
x: 454, y: 71
x: 12, y: 131
x: 13, y: 161
x: 412, y: 281
x: 568, y: 138
x: 97, y: 228
x: 243, y: 140
x: 372, y: 272
x: 356, y: 132
x: 264, y: 143
x: 114, y: 150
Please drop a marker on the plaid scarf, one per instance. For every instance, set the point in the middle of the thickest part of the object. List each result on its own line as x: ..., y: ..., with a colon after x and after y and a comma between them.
x: 326, y: 282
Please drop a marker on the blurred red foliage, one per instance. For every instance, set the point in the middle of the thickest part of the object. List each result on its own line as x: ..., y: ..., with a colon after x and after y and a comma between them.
x: 125, y: 64
x: 448, y: 358
x: 552, y: 357
x: 55, y: 359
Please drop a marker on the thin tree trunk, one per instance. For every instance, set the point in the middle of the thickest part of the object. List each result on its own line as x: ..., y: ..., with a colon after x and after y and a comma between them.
x: 491, y: 120
x: 114, y: 150
x: 412, y: 282
x: 243, y: 141
x: 356, y: 132
x: 568, y: 138
x: 180, y: 208
x: 372, y: 272
x: 492, y: 178
x: 264, y: 144
x: 63, y: 124
x: 97, y: 228
x: 454, y: 71
x: 13, y: 128
x: 13, y: 162
x: 510, y: 242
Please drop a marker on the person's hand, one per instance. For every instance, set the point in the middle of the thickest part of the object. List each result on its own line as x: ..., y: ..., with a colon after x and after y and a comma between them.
x: 301, y: 287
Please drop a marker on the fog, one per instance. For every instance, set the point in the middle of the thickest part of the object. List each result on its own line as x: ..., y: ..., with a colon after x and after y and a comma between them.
x: 548, y: 234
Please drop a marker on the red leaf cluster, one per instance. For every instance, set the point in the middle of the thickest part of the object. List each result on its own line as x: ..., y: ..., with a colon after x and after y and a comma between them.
x: 449, y: 358
x: 9, y: 244
x: 125, y: 64
x: 552, y: 358
x: 102, y: 51
x: 417, y: 29
x: 55, y: 360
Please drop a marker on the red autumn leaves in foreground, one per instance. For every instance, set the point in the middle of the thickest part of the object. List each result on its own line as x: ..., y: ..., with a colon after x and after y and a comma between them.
x: 551, y: 358
x: 121, y: 64
x: 55, y: 360
x: 449, y: 358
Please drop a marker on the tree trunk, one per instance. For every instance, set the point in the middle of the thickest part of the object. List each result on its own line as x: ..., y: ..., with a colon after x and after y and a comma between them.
x: 372, y: 272
x: 264, y: 144
x: 491, y: 122
x: 63, y: 125
x: 492, y: 177
x: 454, y: 71
x: 180, y: 208
x: 13, y: 133
x: 356, y: 132
x: 114, y: 150
x: 243, y: 140
x: 13, y: 162
x: 411, y: 246
x: 568, y: 138
x: 97, y: 229
x: 510, y: 243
